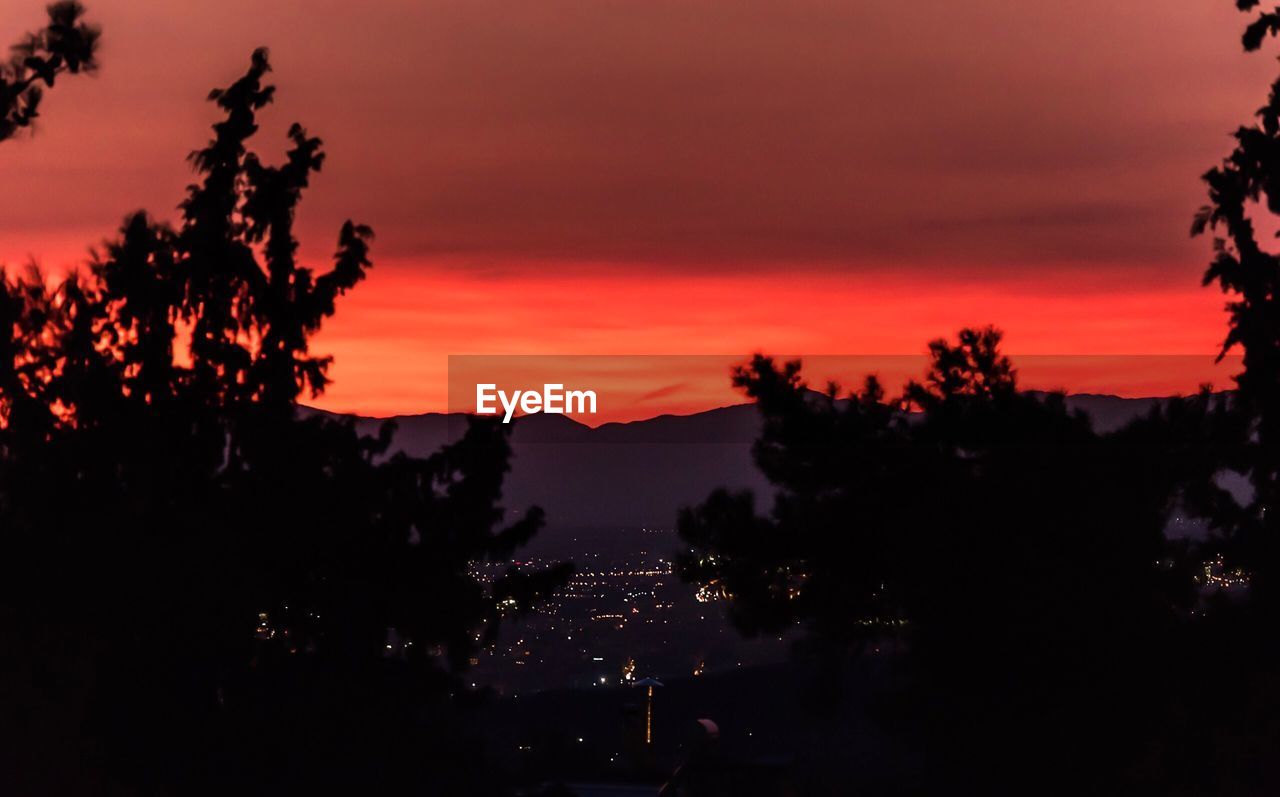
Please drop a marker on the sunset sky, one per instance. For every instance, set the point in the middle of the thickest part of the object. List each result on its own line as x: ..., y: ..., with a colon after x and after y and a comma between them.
x: 703, y: 176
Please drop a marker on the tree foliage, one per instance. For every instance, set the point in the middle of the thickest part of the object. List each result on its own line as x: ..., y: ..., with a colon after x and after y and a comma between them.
x: 1243, y: 189
x: 1016, y: 553
x: 247, y: 596
x: 66, y: 45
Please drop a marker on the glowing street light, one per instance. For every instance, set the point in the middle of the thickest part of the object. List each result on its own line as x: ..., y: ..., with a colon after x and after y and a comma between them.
x: 648, y: 684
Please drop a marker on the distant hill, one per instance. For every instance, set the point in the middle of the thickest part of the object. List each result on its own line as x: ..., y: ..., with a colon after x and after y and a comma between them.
x: 639, y: 474
x: 618, y: 474
x: 1109, y: 413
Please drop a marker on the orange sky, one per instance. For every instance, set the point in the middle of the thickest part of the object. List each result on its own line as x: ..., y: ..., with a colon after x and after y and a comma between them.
x: 390, y: 358
x: 703, y: 176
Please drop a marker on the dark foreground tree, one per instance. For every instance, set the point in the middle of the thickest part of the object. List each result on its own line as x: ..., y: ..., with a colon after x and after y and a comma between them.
x: 1015, y: 555
x: 1244, y: 188
x: 1236, y: 650
x: 66, y: 45
x: 203, y: 589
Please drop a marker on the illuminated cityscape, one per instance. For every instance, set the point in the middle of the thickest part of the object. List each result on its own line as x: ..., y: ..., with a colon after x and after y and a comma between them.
x: 624, y: 616
x: 1217, y: 574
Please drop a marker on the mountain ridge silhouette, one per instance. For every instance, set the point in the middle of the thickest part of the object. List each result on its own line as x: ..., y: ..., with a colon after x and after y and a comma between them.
x: 640, y: 473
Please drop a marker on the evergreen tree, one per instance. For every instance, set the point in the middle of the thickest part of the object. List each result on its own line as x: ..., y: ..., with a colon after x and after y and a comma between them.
x: 1244, y: 187
x: 67, y: 45
x: 1016, y: 556
x: 251, y: 597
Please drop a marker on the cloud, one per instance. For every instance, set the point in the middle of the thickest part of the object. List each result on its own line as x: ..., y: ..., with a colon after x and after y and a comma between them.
x: 663, y: 392
x: 714, y: 135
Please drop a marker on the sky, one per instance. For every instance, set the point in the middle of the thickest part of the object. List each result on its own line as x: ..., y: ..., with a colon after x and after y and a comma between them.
x: 686, y: 177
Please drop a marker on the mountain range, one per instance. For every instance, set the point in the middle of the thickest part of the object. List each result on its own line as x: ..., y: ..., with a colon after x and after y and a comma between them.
x: 639, y: 474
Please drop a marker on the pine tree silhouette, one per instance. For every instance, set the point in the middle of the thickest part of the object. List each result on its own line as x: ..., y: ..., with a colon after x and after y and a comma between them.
x: 1245, y: 186
x: 67, y: 45
x: 1016, y: 555
x: 250, y: 598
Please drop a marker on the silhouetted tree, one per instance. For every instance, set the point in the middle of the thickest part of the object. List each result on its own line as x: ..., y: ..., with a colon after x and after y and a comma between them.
x: 1229, y: 711
x: 1246, y: 185
x: 248, y: 598
x: 1016, y: 553
x: 66, y: 45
